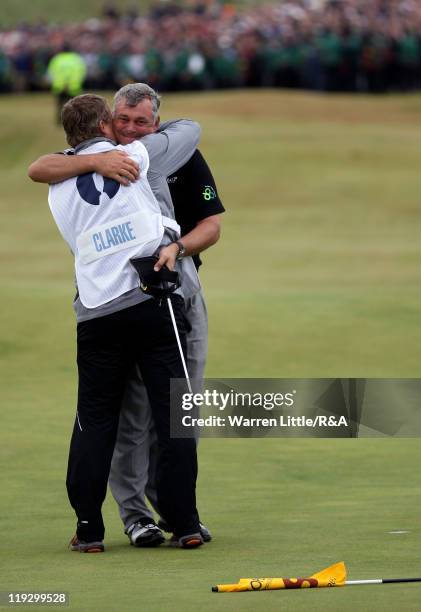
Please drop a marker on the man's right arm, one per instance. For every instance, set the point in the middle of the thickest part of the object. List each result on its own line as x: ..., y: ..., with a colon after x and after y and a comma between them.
x: 172, y: 146
x: 57, y: 167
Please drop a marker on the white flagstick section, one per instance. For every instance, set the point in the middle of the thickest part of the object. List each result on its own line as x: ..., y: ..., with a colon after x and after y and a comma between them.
x: 383, y: 581
x: 180, y: 348
x: 378, y: 581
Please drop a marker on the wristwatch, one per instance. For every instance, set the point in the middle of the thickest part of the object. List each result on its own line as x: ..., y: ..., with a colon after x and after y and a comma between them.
x: 181, y: 249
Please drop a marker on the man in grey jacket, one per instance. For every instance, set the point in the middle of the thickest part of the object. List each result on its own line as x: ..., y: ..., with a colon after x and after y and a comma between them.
x: 117, y: 327
x: 133, y: 469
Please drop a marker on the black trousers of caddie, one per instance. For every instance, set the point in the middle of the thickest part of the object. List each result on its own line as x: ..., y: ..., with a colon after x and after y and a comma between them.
x: 107, y: 348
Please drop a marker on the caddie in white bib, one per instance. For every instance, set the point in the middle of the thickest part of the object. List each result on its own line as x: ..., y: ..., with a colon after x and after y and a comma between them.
x: 106, y: 224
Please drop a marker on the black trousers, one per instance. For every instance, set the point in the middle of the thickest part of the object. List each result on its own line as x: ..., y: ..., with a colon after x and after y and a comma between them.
x: 107, y: 347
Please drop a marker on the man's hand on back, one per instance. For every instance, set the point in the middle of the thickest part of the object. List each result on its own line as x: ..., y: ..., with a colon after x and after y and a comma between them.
x: 116, y: 165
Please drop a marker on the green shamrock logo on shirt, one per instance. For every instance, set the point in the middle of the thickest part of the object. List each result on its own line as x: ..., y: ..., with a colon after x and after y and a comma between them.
x: 209, y: 193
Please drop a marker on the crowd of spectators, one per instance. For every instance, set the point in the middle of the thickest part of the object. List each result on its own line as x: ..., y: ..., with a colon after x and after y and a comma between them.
x: 327, y: 45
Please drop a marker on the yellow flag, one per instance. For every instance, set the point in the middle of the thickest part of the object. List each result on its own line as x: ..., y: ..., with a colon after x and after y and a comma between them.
x: 332, y: 576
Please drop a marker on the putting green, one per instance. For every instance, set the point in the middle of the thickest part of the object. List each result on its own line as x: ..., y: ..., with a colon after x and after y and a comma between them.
x: 317, y: 274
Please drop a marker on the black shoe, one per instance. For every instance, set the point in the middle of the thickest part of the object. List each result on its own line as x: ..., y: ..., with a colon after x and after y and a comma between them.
x: 192, y: 540
x: 145, y: 533
x: 204, y: 531
x: 86, y: 547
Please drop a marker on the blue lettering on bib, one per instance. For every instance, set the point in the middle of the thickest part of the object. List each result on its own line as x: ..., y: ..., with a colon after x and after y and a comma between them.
x: 113, y: 236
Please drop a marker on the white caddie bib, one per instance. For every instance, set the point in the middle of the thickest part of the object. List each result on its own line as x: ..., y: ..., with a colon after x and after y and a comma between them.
x: 106, y: 224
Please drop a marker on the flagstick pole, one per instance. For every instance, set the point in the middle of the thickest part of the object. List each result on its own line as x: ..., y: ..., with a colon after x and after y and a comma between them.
x: 352, y: 582
x: 382, y: 581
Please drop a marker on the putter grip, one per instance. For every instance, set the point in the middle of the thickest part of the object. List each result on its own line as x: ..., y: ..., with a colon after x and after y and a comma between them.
x: 157, y: 284
x: 144, y: 266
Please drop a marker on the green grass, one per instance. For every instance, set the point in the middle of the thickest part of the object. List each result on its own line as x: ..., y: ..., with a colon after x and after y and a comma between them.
x: 317, y: 274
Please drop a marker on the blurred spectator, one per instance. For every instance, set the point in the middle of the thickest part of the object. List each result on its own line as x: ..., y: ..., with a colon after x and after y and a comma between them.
x: 5, y: 73
x: 332, y: 45
x: 66, y: 71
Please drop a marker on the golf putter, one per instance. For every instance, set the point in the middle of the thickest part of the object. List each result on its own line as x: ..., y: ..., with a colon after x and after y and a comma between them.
x: 160, y: 285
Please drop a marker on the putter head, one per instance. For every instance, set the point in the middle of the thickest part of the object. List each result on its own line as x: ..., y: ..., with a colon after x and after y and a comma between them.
x: 158, y: 284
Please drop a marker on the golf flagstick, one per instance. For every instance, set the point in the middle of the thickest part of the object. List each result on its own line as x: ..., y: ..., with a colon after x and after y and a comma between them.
x: 333, y: 576
x: 180, y: 348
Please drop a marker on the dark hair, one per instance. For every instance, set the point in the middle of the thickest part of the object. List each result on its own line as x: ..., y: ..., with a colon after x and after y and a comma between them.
x: 81, y: 117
